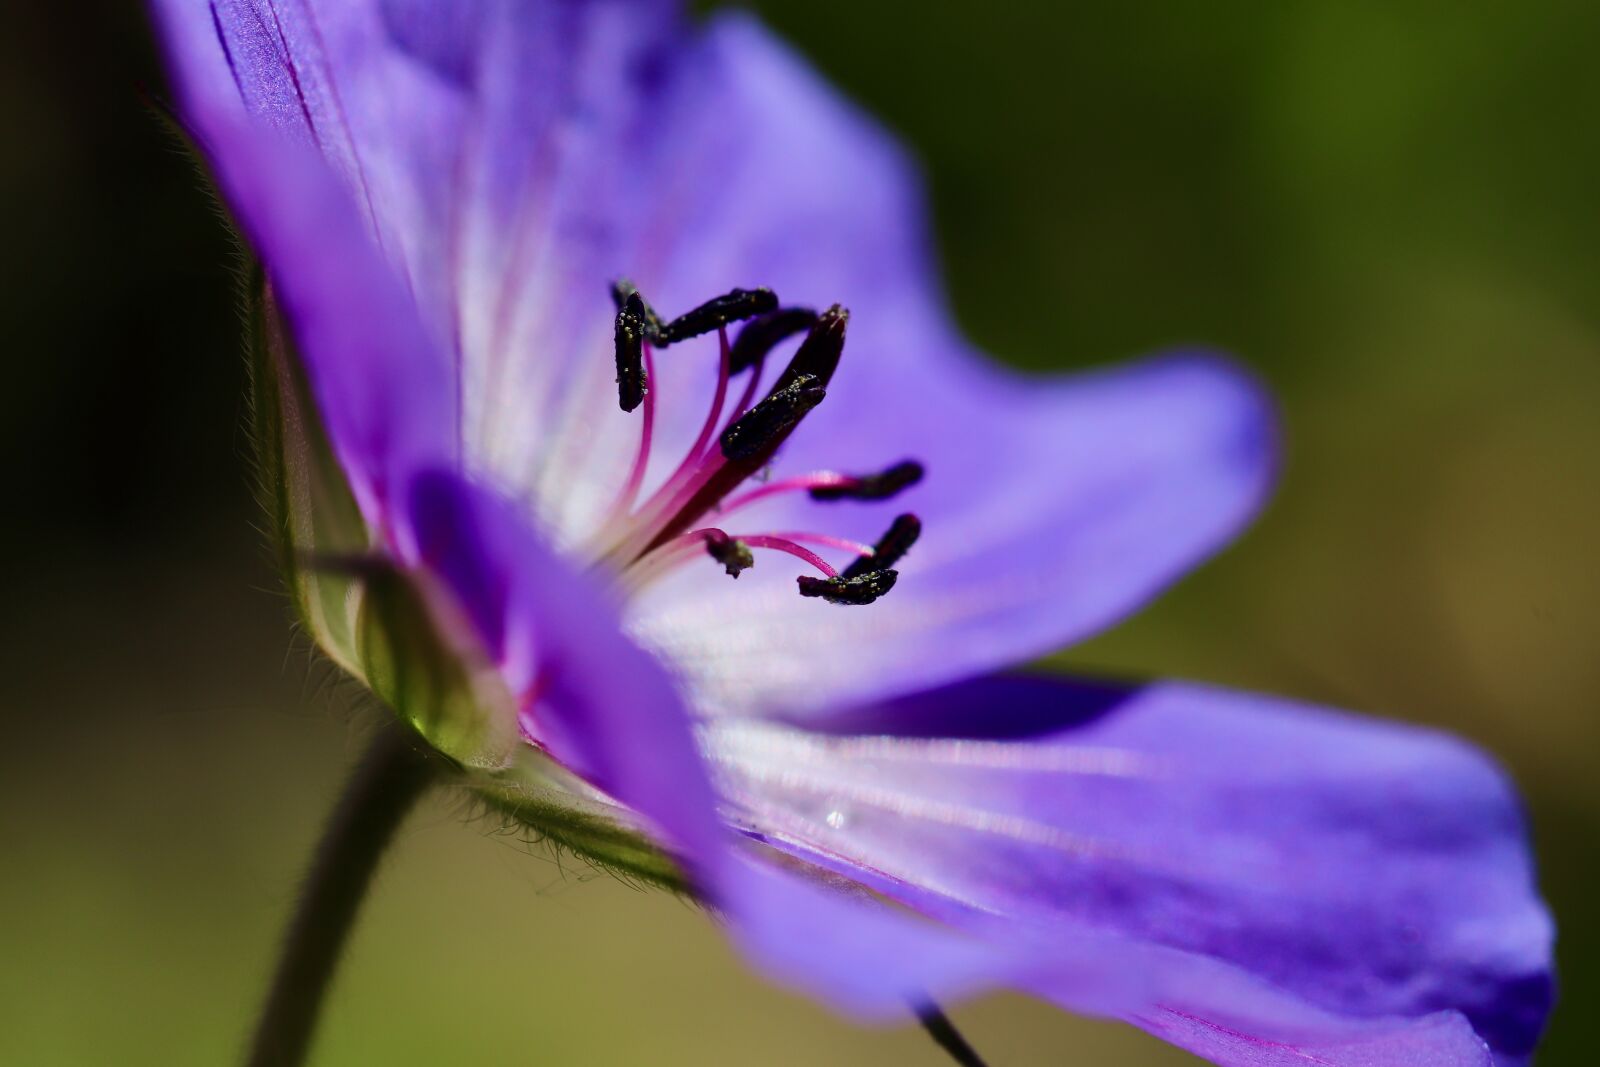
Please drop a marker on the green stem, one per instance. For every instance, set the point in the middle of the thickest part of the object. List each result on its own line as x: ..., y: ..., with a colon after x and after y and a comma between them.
x: 385, y: 784
x: 946, y: 1036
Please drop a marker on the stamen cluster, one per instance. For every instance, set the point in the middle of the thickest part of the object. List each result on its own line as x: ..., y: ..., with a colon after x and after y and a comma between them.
x: 663, y: 532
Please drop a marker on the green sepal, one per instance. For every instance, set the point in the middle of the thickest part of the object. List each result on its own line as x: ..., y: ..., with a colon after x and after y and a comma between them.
x: 418, y: 653
x: 310, y: 510
x: 391, y: 630
x: 553, y: 807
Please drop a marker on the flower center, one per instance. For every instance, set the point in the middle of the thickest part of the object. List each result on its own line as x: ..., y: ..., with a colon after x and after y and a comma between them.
x: 672, y: 527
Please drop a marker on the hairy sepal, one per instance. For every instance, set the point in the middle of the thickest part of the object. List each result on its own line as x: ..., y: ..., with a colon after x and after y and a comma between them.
x: 311, y: 513
x: 393, y: 630
x: 419, y: 655
x: 540, y: 798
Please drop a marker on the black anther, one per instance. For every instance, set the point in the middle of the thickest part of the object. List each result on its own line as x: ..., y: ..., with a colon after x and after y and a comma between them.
x: 880, y: 486
x: 733, y: 554
x: 717, y: 312
x: 762, y: 424
x: 764, y: 333
x: 855, y: 590
x: 819, y: 353
x: 630, y: 338
x: 890, y: 549
x: 621, y: 289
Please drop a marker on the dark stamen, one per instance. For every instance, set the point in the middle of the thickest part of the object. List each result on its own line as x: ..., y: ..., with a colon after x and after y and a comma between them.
x: 717, y: 312
x: 880, y: 486
x: 763, y: 424
x: 764, y: 333
x: 733, y: 554
x: 890, y: 549
x: 630, y: 336
x: 819, y: 353
x: 854, y: 590
x: 815, y: 360
x: 621, y: 289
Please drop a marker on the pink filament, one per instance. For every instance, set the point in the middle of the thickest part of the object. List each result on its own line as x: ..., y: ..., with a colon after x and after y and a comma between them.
x: 685, y: 547
x: 748, y: 396
x: 664, y: 503
x: 687, y: 480
x: 697, y: 450
x: 827, y: 540
x: 630, y: 488
x: 782, y: 544
x: 716, y: 401
x: 819, y: 480
x: 695, y: 468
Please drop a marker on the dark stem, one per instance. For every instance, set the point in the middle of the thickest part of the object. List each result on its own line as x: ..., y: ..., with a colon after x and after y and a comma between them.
x: 946, y: 1036
x: 385, y: 784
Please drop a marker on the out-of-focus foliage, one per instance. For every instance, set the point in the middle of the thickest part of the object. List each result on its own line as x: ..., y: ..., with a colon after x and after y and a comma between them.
x: 1386, y: 208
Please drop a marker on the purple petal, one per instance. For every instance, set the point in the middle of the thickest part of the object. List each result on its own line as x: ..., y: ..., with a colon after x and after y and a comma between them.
x: 202, y: 71
x: 383, y: 383
x: 384, y: 390
x: 332, y: 76
x: 1444, y: 1039
x: 489, y: 147
x: 1371, y: 870
x: 873, y: 963
x: 600, y: 704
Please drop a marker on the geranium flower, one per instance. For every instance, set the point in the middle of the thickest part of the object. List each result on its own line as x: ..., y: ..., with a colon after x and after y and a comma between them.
x: 514, y: 487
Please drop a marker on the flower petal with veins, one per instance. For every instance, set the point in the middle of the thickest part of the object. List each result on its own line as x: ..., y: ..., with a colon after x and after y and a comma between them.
x: 1369, y: 868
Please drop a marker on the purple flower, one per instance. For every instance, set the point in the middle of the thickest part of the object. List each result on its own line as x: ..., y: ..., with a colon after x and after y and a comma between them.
x: 440, y: 195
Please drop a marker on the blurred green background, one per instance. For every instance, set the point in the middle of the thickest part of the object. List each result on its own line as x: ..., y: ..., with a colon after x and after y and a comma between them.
x: 1387, y: 207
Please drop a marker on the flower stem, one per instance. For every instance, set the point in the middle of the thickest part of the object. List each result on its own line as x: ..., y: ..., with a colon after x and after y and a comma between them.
x: 946, y: 1036
x: 382, y: 789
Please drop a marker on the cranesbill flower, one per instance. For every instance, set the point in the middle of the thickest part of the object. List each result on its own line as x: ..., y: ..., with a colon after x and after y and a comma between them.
x: 583, y: 469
